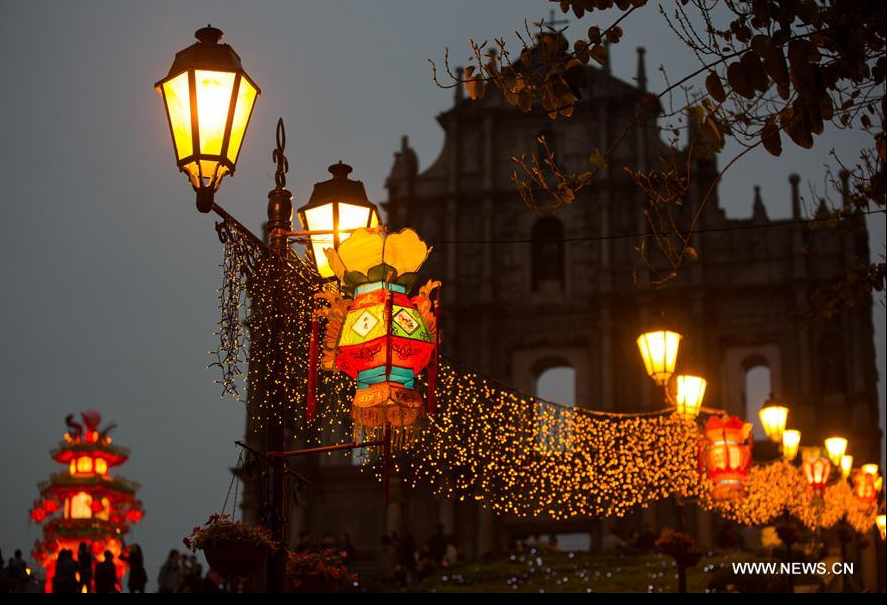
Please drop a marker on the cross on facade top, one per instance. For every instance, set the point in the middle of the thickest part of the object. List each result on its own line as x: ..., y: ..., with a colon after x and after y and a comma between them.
x: 553, y: 20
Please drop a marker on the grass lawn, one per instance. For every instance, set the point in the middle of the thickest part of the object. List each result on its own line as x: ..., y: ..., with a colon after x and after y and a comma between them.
x: 581, y: 572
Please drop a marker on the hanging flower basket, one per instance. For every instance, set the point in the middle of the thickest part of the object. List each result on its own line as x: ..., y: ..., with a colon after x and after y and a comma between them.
x: 243, y: 559
x: 313, y: 583
x: 680, y: 546
x: 317, y: 573
x: 231, y: 547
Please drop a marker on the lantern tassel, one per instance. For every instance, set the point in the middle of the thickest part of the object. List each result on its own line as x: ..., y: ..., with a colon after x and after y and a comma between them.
x: 432, y: 368
x: 386, y: 464
x: 311, y: 410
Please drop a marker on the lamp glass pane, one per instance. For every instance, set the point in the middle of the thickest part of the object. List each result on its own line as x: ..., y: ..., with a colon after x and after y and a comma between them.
x: 791, y: 441
x: 836, y: 447
x: 659, y: 351
x: 214, y: 90
x: 246, y: 98
x: 690, y: 393
x: 202, y: 173
x: 178, y: 107
x: 352, y: 217
x: 773, y: 419
x: 320, y: 218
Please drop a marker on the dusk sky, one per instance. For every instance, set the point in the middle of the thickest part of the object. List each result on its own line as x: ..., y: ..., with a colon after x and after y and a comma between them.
x: 110, y: 275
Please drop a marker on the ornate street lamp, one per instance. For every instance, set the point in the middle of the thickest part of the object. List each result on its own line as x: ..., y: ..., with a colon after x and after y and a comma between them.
x: 659, y: 350
x: 881, y: 523
x: 773, y: 419
x: 690, y: 391
x: 336, y: 209
x: 836, y: 447
x: 209, y: 99
x: 791, y: 441
x: 846, y: 466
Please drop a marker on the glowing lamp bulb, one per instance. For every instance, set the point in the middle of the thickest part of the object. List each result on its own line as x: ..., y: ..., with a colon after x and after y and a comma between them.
x: 773, y: 419
x: 689, y: 396
x: 659, y: 350
x: 836, y: 447
x: 791, y: 441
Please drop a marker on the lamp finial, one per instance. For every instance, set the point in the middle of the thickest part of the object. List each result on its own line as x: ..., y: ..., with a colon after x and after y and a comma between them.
x: 340, y: 171
x: 209, y: 34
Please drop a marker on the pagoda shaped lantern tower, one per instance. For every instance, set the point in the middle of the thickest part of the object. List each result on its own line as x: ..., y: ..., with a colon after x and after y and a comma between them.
x: 85, y: 503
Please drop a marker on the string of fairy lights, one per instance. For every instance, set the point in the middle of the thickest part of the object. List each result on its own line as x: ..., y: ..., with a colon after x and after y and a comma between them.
x: 517, y: 454
x: 487, y: 442
x: 779, y: 488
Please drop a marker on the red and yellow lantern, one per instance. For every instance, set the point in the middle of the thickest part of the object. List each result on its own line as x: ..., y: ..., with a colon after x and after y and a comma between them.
x: 867, y: 483
x: 382, y: 337
x: 817, y: 471
x: 726, y: 455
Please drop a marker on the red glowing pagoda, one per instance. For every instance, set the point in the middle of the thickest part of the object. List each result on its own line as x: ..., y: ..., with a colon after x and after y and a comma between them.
x: 85, y: 503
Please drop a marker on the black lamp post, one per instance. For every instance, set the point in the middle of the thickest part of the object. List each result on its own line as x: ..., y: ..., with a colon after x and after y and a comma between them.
x: 209, y: 99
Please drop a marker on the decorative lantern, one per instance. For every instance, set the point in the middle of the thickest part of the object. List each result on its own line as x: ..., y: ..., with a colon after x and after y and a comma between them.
x: 381, y: 337
x: 727, y: 455
x: 872, y: 469
x: 773, y: 419
x: 135, y: 513
x: 659, y: 351
x: 209, y: 100
x: 336, y: 209
x: 867, y: 483
x: 37, y: 514
x: 791, y: 441
x: 836, y: 447
x: 817, y: 471
x: 846, y: 466
x: 84, y: 505
x: 689, y: 395
x: 881, y: 524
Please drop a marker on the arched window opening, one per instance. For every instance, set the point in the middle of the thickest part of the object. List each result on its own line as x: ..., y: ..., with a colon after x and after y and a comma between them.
x: 757, y: 388
x: 548, y: 254
x: 555, y: 383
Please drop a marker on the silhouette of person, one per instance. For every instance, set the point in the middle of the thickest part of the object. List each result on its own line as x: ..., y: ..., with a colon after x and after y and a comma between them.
x: 106, y: 574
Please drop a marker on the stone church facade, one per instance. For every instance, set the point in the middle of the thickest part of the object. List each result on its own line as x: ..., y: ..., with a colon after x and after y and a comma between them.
x: 516, y: 310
